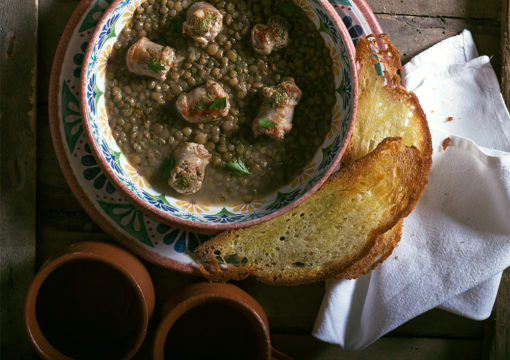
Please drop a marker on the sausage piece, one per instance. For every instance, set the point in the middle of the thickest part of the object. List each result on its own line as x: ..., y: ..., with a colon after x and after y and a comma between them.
x: 273, y: 36
x: 277, y: 110
x: 203, y: 22
x: 205, y: 103
x: 188, y: 174
x: 150, y: 59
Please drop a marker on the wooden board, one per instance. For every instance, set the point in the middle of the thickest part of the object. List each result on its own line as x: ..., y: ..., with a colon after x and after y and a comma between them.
x: 413, y: 34
x: 413, y: 25
x: 489, y: 9
x: 499, y: 333
x: 388, y: 348
x: 499, y: 330
x: 18, y: 64
x: 505, y: 48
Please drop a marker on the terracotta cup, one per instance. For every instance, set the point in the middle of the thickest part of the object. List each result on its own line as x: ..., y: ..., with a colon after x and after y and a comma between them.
x: 220, y: 320
x: 90, y: 300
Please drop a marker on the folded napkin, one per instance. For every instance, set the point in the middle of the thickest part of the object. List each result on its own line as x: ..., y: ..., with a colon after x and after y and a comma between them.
x: 456, y: 243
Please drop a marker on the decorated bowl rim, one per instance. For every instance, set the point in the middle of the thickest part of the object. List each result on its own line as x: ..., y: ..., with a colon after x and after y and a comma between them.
x: 211, y: 228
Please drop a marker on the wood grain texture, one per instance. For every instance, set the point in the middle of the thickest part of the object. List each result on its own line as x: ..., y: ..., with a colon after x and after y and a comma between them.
x: 505, y: 50
x: 499, y: 334
x: 413, y: 34
x: 438, y: 323
x: 488, y: 9
x: 500, y: 345
x: 18, y: 64
x: 433, y: 335
x: 388, y: 348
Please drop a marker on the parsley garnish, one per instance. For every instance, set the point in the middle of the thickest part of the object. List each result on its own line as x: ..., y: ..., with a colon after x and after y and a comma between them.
x: 279, y: 96
x: 156, y: 67
x: 220, y: 103
x: 204, y: 23
x: 185, y: 182
x: 177, y: 24
x: 265, y: 122
x: 280, y: 26
x: 238, y: 167
x: 287, y: 7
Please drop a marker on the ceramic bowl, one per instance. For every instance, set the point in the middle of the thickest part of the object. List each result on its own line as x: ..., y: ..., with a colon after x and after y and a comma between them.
x: 192, y: 215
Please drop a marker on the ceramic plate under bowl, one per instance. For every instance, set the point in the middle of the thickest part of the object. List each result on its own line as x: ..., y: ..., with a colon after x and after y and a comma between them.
x: 145, y: 235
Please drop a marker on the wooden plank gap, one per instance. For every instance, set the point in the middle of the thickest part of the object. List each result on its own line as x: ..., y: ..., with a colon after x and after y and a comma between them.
x: 307, y: 347
x: 473, y: 18
x: 488, y: 9
x: 505, y: 47
x: 500, y: 333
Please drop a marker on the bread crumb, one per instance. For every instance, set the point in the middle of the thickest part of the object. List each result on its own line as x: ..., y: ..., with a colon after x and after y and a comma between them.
x: 396, y: 257
x: 446, y: 143
x: 450, y: 118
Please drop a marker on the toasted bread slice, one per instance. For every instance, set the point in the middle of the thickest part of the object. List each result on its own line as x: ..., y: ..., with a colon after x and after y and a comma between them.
x: 385, y: 109
x: 329, y: 231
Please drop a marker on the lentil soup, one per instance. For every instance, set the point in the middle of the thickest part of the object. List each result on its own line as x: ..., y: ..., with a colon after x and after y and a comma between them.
x: 247, y: 138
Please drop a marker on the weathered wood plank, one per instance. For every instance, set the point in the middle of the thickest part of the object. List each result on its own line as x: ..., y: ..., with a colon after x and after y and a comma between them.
x: 289, y: 309
x: 62, y: 221
x: 489, y: 9
x: 53, y: 17
x: 18, y: 78
x: 505, y: 49
x: 307, y: 347
x: 413, y: 34
x: 440, y: 323
x: 500, y: 332
x: 53, y: 191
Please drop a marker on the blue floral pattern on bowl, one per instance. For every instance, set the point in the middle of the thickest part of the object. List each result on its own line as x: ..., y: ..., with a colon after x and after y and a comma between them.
x: 91, y: 93
x: 93, y: 172
x: 355, y: 31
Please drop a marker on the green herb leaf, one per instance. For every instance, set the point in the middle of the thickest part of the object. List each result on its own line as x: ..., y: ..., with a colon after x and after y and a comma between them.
x: 156, y: 67
x: 238, y: 167
x: 265, y: 122
x: 220, y: 103
x: 177, y: 24
x: 288, y: 8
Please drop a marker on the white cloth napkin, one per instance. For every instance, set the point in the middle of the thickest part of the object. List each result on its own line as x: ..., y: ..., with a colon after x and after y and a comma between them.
x: 456, y: 243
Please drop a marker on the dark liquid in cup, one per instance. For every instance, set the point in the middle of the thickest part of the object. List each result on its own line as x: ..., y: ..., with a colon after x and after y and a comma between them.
x: 88, y: 310
x: 212, y: 331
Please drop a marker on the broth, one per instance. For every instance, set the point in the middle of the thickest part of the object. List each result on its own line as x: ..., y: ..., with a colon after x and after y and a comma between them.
x: 88, y: 310
x: 212, y: 331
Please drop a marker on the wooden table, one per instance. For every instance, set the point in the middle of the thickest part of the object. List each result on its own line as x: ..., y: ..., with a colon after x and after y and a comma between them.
x: 39, y: 213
